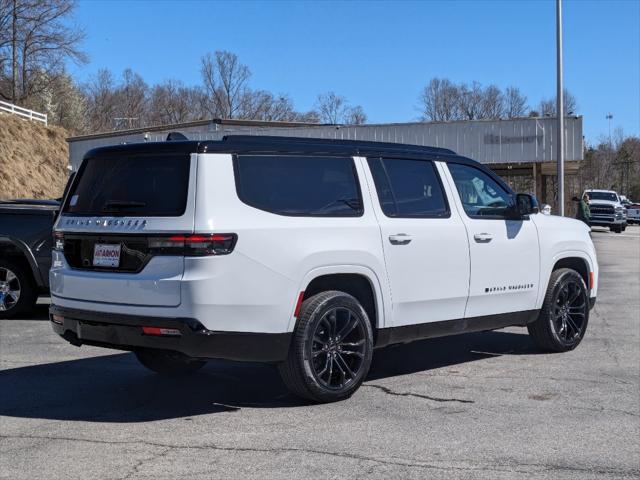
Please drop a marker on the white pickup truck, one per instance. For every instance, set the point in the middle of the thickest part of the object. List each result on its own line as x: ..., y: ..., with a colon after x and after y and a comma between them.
x: 607, y: 210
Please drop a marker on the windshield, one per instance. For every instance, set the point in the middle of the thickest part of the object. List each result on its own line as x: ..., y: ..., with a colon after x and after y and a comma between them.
x: 608, y: 196
x: 145, y: 185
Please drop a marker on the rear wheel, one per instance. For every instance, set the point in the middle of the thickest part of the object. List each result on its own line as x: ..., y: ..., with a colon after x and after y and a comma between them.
x: 331, y: 348
x: 168, y: 363
x: 17, y: 289
x: 565, y: 313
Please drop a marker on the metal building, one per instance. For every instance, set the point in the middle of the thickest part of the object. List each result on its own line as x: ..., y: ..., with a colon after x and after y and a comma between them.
x: 522, y: 146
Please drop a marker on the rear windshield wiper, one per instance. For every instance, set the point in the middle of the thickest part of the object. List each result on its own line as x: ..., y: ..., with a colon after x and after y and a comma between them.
x: 115, y: 205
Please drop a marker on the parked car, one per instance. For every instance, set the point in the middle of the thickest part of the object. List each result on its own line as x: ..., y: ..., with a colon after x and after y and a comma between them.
x: 633, y: 212
x: 307, y: 254
x: 607, y: 210
x: 25, y: 253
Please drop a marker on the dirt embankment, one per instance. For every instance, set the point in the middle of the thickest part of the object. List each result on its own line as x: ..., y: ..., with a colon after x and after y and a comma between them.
x: 33, y: 159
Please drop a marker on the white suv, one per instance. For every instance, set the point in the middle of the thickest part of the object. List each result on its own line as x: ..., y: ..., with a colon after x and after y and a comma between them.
x: 308, y: 254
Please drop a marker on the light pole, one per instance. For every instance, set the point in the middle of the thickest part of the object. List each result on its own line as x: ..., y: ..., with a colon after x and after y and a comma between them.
x: 609, y: 117
x: 560, y: 109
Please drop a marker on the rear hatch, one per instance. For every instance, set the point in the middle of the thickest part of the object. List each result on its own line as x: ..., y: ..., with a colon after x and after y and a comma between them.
x: 116, y: 216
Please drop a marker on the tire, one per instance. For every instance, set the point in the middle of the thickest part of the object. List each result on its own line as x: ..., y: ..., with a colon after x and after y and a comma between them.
x: 564, y: 316
x: 168, y: 363
x: 616, y: 228
x: 17, y: 289
x: 331, y: 348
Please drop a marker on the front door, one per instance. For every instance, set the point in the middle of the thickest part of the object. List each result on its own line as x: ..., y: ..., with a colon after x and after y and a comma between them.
x: 425, y: 247
x: 505, y: 257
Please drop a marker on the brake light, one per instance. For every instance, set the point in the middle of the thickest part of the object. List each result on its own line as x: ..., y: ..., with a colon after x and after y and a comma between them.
x: 58, y: 241
x: 196, y: 245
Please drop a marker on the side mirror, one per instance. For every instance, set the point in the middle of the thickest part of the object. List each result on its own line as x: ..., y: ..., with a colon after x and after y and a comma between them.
x: 525, y: 205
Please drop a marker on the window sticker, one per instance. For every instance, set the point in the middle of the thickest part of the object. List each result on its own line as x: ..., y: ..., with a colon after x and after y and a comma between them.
x: 73, y: 201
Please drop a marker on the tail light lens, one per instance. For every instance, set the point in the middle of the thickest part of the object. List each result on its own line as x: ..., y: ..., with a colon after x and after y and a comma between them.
x: 58, y: 241
x: 197, y: 245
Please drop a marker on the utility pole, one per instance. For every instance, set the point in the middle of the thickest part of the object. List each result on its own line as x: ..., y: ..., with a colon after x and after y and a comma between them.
x: 560, y: 109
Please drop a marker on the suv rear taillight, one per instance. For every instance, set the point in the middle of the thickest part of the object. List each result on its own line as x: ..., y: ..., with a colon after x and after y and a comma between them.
x: 196, y: 245
x: 58, y: 241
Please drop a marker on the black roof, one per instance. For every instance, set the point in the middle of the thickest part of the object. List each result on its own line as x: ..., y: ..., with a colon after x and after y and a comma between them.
x: 266, y: 144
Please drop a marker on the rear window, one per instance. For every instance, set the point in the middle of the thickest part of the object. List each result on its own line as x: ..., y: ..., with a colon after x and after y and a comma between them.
x: 299, y: 185
x: 143, y: 185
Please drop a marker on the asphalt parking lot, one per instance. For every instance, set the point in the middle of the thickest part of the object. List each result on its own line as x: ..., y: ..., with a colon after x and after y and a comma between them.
x: 482, y: 405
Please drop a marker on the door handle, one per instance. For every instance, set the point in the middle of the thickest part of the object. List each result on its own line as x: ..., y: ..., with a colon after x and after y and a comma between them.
x: 483, y: 237
x: 400, y: 239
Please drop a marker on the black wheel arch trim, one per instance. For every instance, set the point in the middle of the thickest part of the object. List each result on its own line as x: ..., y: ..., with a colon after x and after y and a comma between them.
x: 28, y: 255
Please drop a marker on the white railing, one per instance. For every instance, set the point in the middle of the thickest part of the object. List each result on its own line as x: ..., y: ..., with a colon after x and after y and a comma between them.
x: 23, y: 112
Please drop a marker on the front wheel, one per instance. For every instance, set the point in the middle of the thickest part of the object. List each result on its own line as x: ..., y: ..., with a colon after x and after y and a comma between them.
x: 331, y: 348
x: 565, y: 313
x: 168, y: 363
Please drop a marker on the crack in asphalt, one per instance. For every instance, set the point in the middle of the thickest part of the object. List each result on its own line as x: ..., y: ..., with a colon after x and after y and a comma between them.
x: 417, y: 395
x: 511, y: 466
x: 136, y: 468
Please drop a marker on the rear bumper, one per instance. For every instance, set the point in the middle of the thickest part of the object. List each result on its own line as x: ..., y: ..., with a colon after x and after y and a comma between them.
x: 124, y: 332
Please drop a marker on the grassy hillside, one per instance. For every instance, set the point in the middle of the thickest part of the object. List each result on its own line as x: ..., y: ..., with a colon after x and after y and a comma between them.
x: 33, y: 159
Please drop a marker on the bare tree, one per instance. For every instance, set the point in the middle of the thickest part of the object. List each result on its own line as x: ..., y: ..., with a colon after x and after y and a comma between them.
x: 547, y: 107
x: 38, y: 38
x: 515, y: 103
x: 355, y: 116
x: 470, y: 100
x: 440, y: 101
x: 131, y: 99
x: 331, y: 107
x: 335, y: 109
x: 173, y: 102
x: 225, y: 83
x: 492, y: 105
x: 100, y: 100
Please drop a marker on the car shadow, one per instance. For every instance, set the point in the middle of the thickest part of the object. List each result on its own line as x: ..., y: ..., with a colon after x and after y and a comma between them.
x: 115, y: 388
x: 39, y: 313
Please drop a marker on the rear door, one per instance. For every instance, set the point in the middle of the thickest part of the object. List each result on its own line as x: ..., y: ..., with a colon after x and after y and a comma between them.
x: 505, y: 258
x: 116, y: 209
x: 425, y: 246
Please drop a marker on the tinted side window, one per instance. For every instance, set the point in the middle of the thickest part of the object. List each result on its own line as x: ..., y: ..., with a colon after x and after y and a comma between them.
x: 480, y: 194
x: 408, y: 188
x: 299, y: 185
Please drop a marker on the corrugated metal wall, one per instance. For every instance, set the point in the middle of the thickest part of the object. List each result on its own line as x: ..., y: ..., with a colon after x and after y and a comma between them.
x: 502, y: 141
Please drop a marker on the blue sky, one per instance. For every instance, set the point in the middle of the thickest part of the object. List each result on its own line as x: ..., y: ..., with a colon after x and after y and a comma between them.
x: 381, y: 54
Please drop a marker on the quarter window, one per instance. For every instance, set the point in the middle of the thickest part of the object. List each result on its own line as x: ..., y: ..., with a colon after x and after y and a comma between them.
x: 480, y: 194
x: 408, y: 188
x: 299, y: 185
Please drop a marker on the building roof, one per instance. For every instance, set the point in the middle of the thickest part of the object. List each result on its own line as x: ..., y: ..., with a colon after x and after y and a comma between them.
x: 197, y: 123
